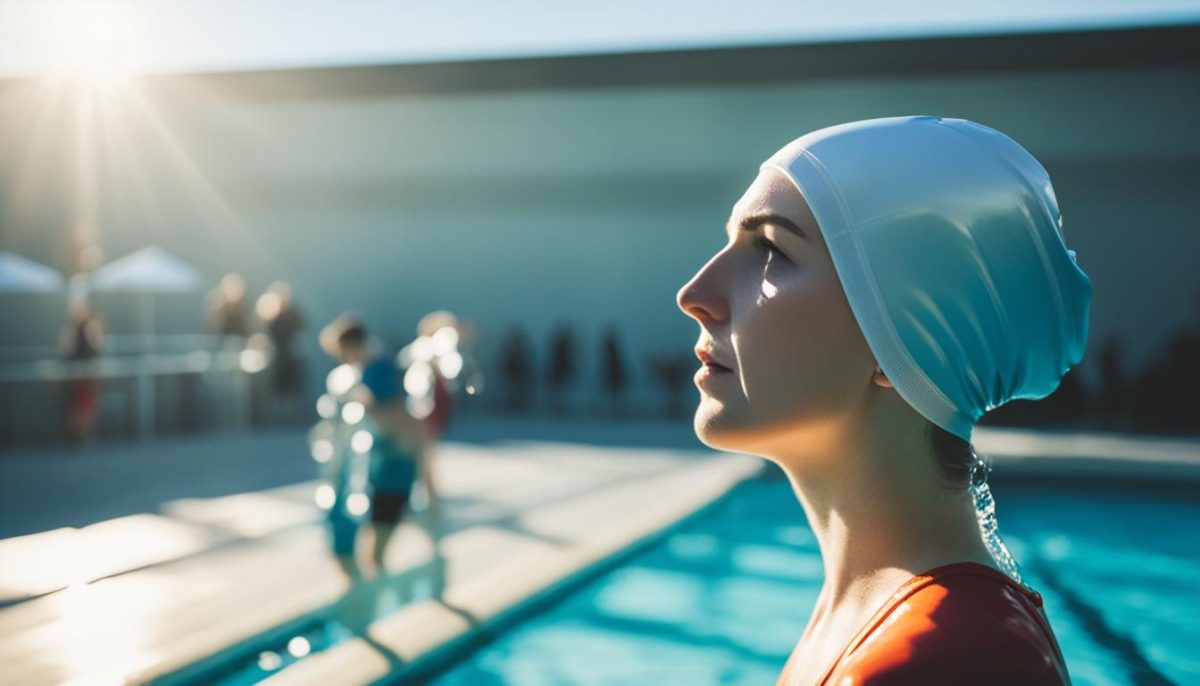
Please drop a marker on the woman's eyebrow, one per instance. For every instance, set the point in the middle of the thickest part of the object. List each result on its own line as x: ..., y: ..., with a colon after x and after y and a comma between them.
x: 751, y: 222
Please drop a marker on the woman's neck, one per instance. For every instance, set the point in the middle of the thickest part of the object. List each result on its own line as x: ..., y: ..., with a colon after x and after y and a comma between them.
x: 883, y: 517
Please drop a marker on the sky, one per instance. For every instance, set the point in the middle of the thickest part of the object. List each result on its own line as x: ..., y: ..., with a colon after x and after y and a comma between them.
x: 166, y: 36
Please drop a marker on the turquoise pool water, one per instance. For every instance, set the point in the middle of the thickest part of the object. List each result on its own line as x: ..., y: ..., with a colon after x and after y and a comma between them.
x: 723, y: 598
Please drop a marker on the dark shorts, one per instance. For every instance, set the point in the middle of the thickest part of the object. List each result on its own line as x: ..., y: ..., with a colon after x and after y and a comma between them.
x: 387, y: 507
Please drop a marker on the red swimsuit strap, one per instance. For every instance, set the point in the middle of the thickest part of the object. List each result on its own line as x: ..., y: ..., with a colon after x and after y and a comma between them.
x: 922, y: 580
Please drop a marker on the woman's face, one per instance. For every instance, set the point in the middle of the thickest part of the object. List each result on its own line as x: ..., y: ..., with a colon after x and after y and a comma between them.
x: 771, y: 309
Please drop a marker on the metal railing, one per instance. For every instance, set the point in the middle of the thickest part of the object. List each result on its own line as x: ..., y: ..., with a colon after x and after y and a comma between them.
x: 235, y: 366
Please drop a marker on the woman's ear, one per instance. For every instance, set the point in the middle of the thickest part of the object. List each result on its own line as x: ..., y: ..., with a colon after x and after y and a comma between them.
x: 880, y: 378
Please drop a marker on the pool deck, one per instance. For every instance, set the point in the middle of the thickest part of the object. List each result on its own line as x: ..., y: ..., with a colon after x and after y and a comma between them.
x: 1078, y: 454
x: 153, y: 596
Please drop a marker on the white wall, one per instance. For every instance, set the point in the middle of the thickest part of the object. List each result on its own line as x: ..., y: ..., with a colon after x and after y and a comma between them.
x: 589, y: 205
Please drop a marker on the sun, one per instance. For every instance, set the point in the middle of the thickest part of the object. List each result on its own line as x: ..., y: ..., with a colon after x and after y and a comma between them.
x: 95, y: 43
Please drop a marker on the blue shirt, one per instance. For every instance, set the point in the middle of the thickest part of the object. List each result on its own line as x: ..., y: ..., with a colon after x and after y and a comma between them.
x: 382, y: 378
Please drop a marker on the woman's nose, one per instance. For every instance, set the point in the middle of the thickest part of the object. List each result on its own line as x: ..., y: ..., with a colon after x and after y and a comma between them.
x: 699, y: 300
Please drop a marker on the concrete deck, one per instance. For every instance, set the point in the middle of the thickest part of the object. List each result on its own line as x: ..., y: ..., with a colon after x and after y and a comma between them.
x: 1019, y: 453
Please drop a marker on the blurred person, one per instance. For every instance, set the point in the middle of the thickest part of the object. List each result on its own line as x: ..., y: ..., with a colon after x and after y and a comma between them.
x: 517, y: 369
x: 226, y: 305
x: 447, y: 360
x: 613, y: 375
x: 671, y: 372
x: 884, y: 284
x: 335, y: 495
x: 437, y: 364
x: 283, y: 324
x: 83, y: 257
x: 398, y: 440
x: 562, y: 368
x: 80, y: 342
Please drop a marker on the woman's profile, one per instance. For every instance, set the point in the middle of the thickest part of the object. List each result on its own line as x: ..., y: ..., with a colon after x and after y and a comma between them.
x: 884, y: 284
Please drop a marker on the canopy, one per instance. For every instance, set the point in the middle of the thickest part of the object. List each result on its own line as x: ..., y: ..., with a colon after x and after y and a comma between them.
x: 148, y: 269
x: 21, y: 275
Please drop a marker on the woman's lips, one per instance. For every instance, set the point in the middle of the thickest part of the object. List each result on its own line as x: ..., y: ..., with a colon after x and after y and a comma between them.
x: 708, y: 359
x: 711, y: 368
x: 711, y: 371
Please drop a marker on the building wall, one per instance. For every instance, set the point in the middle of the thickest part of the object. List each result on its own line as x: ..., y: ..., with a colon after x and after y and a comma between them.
x: 588, y: 205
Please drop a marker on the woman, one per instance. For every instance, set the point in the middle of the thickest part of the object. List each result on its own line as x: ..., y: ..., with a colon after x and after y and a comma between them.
x: 885, y: 283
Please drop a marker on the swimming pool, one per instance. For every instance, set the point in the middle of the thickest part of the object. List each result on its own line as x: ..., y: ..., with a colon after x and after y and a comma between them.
x: 723, y: 598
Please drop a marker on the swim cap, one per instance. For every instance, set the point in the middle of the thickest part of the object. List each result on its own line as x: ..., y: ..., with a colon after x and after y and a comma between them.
x: 947, y: 239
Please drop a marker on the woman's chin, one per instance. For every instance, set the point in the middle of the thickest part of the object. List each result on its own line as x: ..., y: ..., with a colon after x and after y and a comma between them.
x: 722, y: 428
x: 716, y: 427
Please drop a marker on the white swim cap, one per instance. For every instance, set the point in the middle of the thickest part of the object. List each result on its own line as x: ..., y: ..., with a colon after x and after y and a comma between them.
x: 948, y: 241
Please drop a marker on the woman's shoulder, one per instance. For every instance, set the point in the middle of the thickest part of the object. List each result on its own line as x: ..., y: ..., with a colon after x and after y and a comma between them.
x: 961, y: 623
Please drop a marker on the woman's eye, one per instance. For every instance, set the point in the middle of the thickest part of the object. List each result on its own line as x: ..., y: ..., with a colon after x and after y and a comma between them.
x: 768, y: 245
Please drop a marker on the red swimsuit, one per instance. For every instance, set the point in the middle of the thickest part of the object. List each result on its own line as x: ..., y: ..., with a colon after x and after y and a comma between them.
x: 961, y: 623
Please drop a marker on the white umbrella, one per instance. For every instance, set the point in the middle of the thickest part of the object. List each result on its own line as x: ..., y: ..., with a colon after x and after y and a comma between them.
x: 21, y: 275
x: 146, y: 271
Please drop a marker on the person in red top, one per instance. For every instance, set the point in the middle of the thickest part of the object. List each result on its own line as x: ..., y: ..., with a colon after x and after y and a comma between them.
x: 883, y: 285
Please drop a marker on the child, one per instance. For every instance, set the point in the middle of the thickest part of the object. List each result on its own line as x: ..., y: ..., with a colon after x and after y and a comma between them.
x: 397, y: 440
